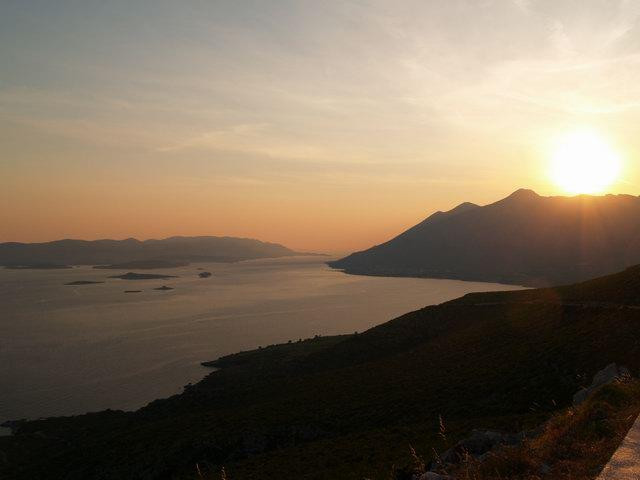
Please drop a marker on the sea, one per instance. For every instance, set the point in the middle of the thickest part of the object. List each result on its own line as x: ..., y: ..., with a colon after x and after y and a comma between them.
x: 67, y: 350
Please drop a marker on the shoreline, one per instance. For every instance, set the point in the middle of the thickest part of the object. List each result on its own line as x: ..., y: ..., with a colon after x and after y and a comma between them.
x: 419, y: 294
x: 442, y: 276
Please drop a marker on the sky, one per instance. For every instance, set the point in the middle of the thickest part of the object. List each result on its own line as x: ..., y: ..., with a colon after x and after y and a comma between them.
x: 326, y: 126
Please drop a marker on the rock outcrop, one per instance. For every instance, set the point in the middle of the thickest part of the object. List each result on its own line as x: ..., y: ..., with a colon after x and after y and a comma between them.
x: 609, y: 374
x: 481, y: 442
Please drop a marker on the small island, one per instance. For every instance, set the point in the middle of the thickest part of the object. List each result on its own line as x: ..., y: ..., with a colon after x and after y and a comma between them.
x: 163, y: 288
x: 142, y: 276
x: 204, y: 274
x: 83, y: 282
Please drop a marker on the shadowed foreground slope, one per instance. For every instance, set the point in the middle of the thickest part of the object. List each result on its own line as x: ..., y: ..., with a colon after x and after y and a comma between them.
x: 348, y: 407
x: 574, y: 444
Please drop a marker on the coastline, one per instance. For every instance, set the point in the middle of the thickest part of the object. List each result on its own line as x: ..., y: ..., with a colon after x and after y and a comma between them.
x: 198, y: 309
x: 524, y: 282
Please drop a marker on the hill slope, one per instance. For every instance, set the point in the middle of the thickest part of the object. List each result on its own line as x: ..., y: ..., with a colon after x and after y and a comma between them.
x: 348, y: 407
x: 524, y: 239
x: 173, y: 249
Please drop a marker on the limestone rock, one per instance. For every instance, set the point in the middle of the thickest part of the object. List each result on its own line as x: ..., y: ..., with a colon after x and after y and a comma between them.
x: 608, y: 374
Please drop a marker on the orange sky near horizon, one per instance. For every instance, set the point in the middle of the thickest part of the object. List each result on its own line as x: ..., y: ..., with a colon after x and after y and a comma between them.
x: 318, y: 225
x: 325, y: 127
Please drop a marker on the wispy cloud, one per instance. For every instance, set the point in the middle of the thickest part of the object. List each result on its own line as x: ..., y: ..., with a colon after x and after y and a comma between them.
x: 313, y: 95
x: 523, y: 5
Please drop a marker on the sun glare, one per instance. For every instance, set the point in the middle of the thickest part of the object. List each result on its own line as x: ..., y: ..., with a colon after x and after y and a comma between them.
x: 583, y: 162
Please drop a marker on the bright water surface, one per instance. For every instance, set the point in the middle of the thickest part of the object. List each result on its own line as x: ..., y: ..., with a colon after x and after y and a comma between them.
x: 72, y: 349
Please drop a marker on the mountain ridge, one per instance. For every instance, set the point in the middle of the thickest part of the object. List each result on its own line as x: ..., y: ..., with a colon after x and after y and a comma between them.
x: 523, y: 239
x: 109, y: 251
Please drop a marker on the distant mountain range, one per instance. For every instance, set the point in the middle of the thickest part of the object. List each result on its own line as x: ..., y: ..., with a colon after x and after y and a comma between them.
x: 524, y: 239
x: 173, y: 250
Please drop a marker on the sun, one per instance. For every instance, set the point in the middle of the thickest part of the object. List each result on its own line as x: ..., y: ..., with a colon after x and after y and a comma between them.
x: 583, y: 162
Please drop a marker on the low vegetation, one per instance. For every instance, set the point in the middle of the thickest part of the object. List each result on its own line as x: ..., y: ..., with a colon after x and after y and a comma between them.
x: 574, y: 444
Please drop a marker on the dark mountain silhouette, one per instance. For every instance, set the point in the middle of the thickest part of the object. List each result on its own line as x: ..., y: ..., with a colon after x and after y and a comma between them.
x: 142, y: 265
x: 524, y: 239
x: 119, y: 252
x: 350, y: 406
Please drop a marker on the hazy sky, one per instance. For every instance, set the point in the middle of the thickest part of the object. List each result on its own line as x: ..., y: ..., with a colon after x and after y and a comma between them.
x: 323, y: 125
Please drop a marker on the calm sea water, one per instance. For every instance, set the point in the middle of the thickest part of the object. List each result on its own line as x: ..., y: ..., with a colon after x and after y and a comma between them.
x: 72, y: 349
